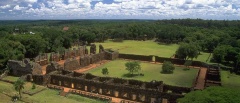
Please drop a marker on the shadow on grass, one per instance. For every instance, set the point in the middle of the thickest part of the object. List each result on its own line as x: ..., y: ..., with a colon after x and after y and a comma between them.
x: 166, y: 72
x: 186, y: 69
x: 132, y: 75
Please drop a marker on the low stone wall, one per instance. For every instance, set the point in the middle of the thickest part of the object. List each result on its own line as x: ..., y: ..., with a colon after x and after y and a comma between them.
x: 136, y: 57
x: 38, y: 79
x: 126, y: 89
x: 111, y: 55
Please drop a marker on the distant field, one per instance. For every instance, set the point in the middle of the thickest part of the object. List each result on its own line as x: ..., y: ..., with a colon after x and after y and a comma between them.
x: 230, y: 80
x: 46, y: 96
x: 146, y: 48
x: 151, y: 72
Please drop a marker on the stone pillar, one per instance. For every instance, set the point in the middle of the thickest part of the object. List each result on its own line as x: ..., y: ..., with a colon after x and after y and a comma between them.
x: 100, y: 91
x: 86, y: 51
x: 147, y: 99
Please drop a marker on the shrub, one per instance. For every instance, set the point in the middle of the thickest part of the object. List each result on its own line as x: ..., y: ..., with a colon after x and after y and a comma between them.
x: 167, y: 67
x: 105, y: 71
x: 34, y: 86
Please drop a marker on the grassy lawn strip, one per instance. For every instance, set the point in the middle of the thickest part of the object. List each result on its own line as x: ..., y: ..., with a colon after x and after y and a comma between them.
x: 147, y: 48
x: 141, y: 47
x: 151, y: 72
x: 83, y: 99
x: 11, y: 78
x: 46, y: 96
x: 230, y: 80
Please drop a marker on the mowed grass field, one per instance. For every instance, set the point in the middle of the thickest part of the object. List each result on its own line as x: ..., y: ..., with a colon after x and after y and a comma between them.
x: 45, y: 96
x: 151, y: 72
x: 146, y: 48
x: 230, y: 80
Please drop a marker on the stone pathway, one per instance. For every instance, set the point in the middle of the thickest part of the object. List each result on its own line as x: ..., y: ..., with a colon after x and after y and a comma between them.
x: 200, y: 84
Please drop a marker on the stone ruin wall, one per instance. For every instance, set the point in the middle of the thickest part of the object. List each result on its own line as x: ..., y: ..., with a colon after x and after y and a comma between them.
x: 135, y: 90
x: 53, y: 66
x: 42, y: 59
x: 84, y: 61
x: 93, y: 49
x: 80, y: 51
x: 111, y: 55
x: 55, y: 57
x: 24, y: 67
x: 71, y: 64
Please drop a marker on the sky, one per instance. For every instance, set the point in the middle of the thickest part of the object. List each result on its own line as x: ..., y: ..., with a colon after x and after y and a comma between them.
x: 119, y: 9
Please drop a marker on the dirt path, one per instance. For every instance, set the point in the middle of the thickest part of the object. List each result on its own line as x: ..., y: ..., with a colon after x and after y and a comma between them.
x: 201, y: 79
x: 44, y: 69
x: 91, y: 66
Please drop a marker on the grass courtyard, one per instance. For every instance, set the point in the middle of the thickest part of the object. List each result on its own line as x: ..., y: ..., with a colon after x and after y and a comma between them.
x: 147, y: 48
x: 45, y: 96
x: 230, y: 80
x: 151, y: 72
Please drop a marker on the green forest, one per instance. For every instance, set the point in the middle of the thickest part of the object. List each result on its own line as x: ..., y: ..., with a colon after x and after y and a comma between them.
x: 27, y: 39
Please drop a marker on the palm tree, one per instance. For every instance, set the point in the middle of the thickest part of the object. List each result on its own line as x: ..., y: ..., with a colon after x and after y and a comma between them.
x: 19, y: 86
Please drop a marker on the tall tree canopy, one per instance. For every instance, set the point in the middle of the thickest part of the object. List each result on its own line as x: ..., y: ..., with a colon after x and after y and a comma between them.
x: 212, y: 95
x: 10, y: 50
x: 187, y: 50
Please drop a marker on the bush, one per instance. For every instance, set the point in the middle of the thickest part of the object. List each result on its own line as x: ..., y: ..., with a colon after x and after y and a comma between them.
x: 105, y: 71
x: 167, y: 67
x: 34, y: 86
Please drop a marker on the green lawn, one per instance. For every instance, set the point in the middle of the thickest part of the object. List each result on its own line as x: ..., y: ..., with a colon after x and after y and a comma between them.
x: 141, y: 47
x: 11, y: 78
x: 151, y: 72
x: 146, y: 48
x: 46, y: 96
x: 230, y: 80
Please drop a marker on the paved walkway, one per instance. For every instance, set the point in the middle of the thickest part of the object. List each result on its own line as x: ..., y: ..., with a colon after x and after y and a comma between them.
x: 201, y: 79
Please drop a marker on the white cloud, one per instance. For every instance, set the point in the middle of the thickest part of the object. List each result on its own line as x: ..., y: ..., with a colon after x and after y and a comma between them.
x: 31, y: 1
x: 131, y: 8
x: 17, y: 7
x: 5, y: 7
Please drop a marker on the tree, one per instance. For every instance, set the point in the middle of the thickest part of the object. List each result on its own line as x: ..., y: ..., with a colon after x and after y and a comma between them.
x: 187, y: 64
x: 34, y: 44
x: 19, y: 86
x: 219, y: 53
x: 237, y: 62
x: 167, y: 67
x: 10, y: 50
x: 187, y: 50
x: 105, y: 71
x: 133, y: 67
x: 212, y: 95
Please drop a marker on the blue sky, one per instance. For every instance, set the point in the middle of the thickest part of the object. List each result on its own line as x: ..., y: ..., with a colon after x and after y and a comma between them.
x: 119, y: 9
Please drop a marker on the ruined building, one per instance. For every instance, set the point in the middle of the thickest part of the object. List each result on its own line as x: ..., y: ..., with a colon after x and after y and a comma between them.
x: 24, y: 67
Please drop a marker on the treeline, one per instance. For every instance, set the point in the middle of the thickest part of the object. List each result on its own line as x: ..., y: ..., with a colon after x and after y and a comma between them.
x: 48, y: 36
